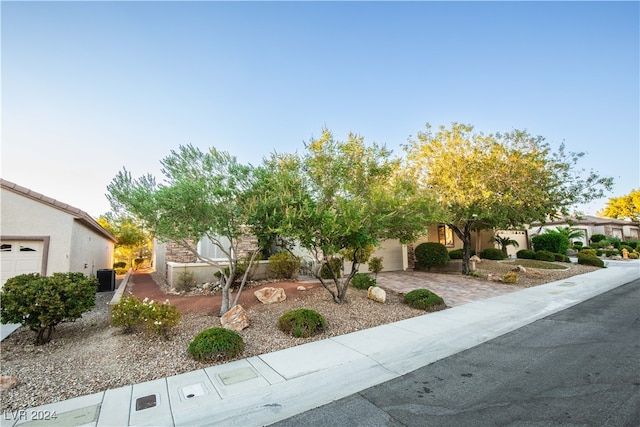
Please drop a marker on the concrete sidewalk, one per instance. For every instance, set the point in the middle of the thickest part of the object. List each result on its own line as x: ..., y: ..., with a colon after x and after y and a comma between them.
x: 275, y: 386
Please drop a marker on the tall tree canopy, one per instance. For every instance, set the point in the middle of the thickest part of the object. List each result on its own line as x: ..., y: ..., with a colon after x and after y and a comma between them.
x: 497, y: 180
x: 338, y: 199
x: 624, y: 207
x: 204, y: 195
x: 132, y: 240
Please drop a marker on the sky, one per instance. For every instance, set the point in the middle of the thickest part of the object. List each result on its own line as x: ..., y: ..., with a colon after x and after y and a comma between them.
x: 89, y: 88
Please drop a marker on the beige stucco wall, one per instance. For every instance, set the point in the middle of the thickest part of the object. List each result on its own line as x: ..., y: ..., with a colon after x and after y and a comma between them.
x: 71, y: 244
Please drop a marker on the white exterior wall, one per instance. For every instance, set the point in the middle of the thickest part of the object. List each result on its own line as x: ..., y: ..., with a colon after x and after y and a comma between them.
x: 90, y: 252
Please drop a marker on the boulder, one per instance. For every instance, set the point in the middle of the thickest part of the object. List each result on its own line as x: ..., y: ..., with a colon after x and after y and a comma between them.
x: 235, y: 319
x: 377, y: 294
x: 270, y: 295
x: 301, y: 288
x: 475, y: 258
x: 519, y: 269
x: 494, y: 278
x: 7, y: 383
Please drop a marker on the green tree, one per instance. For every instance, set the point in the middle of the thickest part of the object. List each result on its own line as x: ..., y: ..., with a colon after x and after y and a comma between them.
x: 498, y: 180
x: 205, y: 195
x: 340, y: 198
x: 624, y: 207
x: 132, y: 240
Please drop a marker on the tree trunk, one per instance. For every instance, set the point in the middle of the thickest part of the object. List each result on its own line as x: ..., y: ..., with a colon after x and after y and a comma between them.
x: 464, y: 235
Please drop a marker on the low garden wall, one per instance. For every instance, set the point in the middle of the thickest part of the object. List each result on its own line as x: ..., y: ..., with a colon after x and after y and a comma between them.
x: 205, y: 273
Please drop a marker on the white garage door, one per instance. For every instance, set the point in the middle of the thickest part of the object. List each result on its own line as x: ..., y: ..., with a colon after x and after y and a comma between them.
x: 391, y: 253
x: 19, y: 257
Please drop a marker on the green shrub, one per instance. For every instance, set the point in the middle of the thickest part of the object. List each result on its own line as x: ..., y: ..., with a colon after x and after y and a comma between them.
x: 577, y: 245
x: 598, y: 237
x: 510, y: 277
x: 431, y: 254
x: 634, y: 255
x: 185, y: 282
x: 561, y: 258
x: 336, y: 266
x: 120, y: 264
x: 362, y: 281
x: 545, y: 256
x: 551, y: 241
x: 459, y: 253
x: 302, y: 323
x: 590, y: 260
x: 610, y: 253
x: 121, y: 271
x: 627, y: 247
x: 526, y: 254
x: 132, y: 315
x: 492, y: 253
x: 615, y: 242
x: 284, y: 265
x: 599, y: 252
x: 587, y: 252
x: 375, y: 265
x: 216, y: 344
x: 424, y: 299
x: 42, y: 302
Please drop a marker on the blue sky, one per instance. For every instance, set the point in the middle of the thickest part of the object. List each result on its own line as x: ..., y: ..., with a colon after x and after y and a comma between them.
x: 90, y: 87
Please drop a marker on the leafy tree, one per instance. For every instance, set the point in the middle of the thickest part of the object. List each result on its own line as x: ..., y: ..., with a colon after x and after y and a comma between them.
x: 338, y: 199
x: 624, y: 207
x: 205, y: 195
x: 570, y: 232
x: 132, y: 240
x: 504, y: 243
x: 498, y: 180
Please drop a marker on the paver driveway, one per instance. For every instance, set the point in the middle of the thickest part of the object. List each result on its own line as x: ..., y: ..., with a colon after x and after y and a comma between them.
x: 455, y: 290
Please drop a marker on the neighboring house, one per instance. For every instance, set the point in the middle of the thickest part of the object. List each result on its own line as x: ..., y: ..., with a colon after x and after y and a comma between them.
x: 41, y: 235
x: 610, y: 227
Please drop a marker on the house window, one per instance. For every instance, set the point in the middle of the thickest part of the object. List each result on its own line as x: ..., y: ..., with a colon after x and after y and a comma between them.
x: 445, y: 235
x: 210, y: 250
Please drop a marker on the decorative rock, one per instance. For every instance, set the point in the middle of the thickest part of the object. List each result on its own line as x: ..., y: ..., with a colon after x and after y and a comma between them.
x: 519, y: 269
x: 235, y: 319
x: 270, y: 295
x: 494, y: 278
x: 7, y: 383
x: 301, y: 288
x: 475, y: 258
x: 377, y: 294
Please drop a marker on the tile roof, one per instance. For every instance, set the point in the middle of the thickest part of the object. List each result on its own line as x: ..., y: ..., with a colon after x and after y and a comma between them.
x: 78, y: 214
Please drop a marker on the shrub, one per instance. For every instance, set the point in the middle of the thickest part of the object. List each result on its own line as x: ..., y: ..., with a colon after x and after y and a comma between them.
x: 284, y: 265
x: 578, y: 244
x: 587, y: 252
x: 634, y: 255
x: 459, y: 253
x: 590, y: 260
x: 526, y: 254
x: 510, y: 277
x: 185, y: 281
x: 375, y: 265
x: 492, y: 253
x: 132, y: 315
x: 120, y: 264
x: 216, y: 344
x: 431, y: 254
x: 424, y: 299
x: 615, y: 242
x: 121, y: 271
x: 545, y: 256
x: 561, y: 258
x: 362, y: 281
x: 610, y: 253
x: 302, y: 323
x: 42, y: 302
x: 336, y: 267
x: 597, y: 237
x: 627, y: 247
x: 551, y: 241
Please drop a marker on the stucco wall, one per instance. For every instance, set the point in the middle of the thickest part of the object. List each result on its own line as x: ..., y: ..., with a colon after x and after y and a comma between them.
x: 89, y: 251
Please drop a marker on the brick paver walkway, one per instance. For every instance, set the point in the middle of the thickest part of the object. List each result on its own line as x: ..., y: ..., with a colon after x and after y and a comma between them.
x: 454, y: 289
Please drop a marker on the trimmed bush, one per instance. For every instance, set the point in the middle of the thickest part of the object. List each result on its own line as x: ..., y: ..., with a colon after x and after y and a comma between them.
x: 424, y: 299
x: 577, y: 245
x: 598, y: 237
x: 284, y: 265
x: 561, y: 258
x: 362, y: 281
x: 545, y: 256
x: 302, y: 323
x: 133, y: 315
x: 120, y: 264
x: 42, y: 302
x: 492, y: 253
x: 431, y: 254
x: 510, y: 277
x: 526, y: 254
x: 590, y: 260
x: 459, y: 253
x: 627, y: 247
x: 375, y: 265
x: 634, y: 255
x: 216, y: 344
x: 551, y: 241
x: 610, y: 253
x: 336, y: 267
x: 588, y: 252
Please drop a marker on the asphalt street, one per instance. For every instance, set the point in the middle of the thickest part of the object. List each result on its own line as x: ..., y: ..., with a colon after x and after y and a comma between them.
x: 578, y: 367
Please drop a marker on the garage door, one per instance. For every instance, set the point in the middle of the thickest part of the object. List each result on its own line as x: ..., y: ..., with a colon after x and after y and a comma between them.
x: 19, y: 257
x: 391, y: 253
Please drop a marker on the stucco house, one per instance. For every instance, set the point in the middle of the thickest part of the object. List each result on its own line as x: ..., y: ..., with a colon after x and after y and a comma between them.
x: 610, y: 227
x: 39, y: 234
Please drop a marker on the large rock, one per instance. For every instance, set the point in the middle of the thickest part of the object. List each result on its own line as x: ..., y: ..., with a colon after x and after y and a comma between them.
x: 235, y: 319
x: 475, y: 258
x: 270, y: 295
x: 519, y: 269
x: 377, y: 294
x: 7, y: 383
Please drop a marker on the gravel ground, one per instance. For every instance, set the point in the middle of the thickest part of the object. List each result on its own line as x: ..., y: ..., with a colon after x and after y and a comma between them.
x: 89, y: 355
